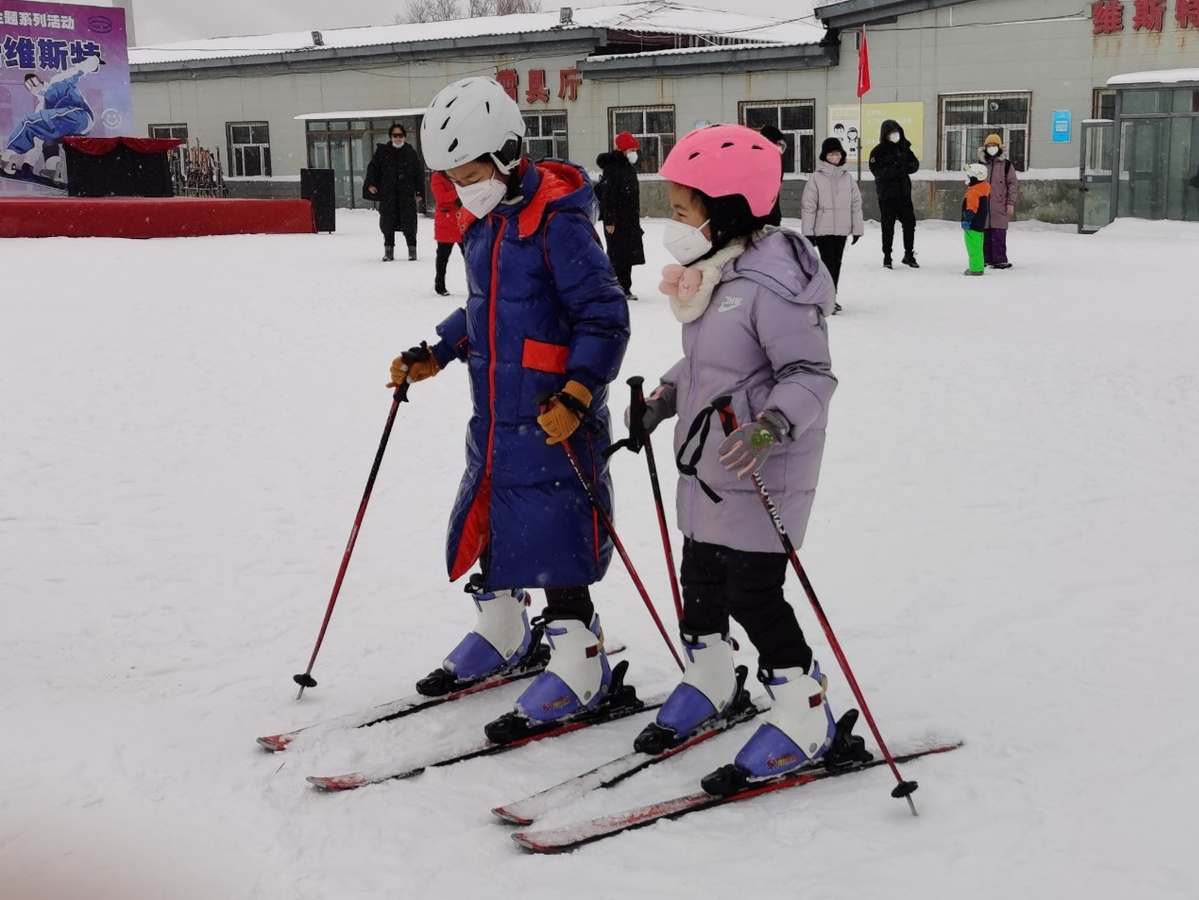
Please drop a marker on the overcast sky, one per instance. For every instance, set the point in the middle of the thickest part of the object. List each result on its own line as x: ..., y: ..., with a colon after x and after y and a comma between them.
x: 166, y: 21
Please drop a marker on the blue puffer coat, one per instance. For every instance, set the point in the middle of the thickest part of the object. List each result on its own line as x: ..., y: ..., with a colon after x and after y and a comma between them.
x: 544, y: 308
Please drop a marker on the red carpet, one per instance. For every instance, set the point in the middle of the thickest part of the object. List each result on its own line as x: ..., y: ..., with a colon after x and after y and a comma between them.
x: 142, y: 217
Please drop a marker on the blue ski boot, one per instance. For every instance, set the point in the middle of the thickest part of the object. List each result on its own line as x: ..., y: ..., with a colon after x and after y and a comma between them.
x: 500, y: 642
x: 708, y: 690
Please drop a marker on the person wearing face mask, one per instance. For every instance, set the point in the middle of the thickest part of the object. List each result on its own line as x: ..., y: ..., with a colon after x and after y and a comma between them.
x: 832, y: 208
x: 892, y: 163
x: 619, y: 195
x: 752, y: 302
x: 543, y: 332
x: 1001, y: 175
x: 776, y: 137
x: 393, y: 180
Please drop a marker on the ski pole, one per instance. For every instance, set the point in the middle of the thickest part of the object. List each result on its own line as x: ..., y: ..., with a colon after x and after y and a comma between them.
x: 305, y: 679
x: 903, y: 789
x: 635, y: 441
x: 606, y: 521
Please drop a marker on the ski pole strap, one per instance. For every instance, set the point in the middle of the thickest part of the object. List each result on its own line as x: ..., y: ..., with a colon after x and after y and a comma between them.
x: 700, y: 428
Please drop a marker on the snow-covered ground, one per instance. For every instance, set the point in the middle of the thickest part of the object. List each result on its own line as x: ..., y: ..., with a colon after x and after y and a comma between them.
x: 1004, y: 540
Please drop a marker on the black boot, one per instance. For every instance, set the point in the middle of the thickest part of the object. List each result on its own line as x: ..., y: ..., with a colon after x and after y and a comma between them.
x: 909, y: 259
x: 412, y: 254
x: 439, y: 289
x: 388, y: 253
x: 887, y: 261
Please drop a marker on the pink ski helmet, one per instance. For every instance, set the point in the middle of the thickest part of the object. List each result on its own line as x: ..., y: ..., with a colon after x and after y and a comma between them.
x: 722, y: 160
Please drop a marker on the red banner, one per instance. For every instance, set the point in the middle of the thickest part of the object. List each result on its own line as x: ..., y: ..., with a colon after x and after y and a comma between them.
x: 863, y: 66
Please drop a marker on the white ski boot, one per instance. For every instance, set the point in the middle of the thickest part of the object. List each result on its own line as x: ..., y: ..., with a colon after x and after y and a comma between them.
x: 501, y: 641
x: 708, y: 690
x: 798, y: 729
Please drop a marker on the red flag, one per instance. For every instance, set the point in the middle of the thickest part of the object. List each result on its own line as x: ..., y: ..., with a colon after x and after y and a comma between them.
x: 863, y: 66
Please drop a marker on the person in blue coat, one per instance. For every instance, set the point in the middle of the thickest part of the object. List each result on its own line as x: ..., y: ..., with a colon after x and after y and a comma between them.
x: 543, y: 332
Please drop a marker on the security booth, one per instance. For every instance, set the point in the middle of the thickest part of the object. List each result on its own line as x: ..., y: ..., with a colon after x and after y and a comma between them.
x: 1145, y: 162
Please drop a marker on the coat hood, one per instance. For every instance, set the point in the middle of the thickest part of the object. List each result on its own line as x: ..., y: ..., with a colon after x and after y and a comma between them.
x: 887, y: 127
x: 550, y: 185
x: 786, y: 264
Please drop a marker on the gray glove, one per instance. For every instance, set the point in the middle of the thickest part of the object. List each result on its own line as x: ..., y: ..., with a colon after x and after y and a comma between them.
x: 746, y: 449
x: 657, y: 409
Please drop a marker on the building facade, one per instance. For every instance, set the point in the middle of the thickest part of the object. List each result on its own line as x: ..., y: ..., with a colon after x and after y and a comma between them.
x: 951, y: 71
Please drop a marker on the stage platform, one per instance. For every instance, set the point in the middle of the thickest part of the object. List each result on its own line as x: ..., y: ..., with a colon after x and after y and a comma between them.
x: 144, y: 217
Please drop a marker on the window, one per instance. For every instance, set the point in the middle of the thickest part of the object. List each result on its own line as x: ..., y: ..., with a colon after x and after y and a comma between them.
x: 249, y: 148
x: 794, y: 118
x: 653, y: 126
x: 1103, y: 104
x: 545, y: 135
x: 169, y: 131
x: 967, y: 119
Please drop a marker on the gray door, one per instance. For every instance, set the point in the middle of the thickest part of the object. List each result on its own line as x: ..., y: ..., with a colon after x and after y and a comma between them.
x: 1095, y: 175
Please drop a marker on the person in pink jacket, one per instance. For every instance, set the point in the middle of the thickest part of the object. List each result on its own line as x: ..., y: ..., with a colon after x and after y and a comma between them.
x: 752, y: 303
x: 1001, y: 175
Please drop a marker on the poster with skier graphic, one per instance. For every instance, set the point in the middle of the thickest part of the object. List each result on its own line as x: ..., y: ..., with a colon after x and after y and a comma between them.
x: 64, y: 71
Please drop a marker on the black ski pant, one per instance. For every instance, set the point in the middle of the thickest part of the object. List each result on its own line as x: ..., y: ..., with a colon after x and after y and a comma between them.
x: 443, y: 257
x: 831, y: 248
x: 719, y: 582
x: 899, y: 210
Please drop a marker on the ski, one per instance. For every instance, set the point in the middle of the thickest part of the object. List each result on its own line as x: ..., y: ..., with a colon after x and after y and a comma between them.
x: 568, y: 837
x: 624, y: 703
x: 524, y: 812
x: 533, y: 664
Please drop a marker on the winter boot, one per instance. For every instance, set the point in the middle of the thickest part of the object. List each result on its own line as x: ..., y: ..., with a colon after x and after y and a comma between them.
x: 909, y: 259
x: 389, y: 253
x: 439, y: 289
x: 412, y: 253
x: 799, y: 727
x: 577, y: 677
x: 500, y: 640
x: 708, y: 688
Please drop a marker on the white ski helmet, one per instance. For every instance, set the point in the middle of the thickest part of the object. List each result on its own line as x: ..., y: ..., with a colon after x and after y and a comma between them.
x: 468, y: 119
x: 976, y: 171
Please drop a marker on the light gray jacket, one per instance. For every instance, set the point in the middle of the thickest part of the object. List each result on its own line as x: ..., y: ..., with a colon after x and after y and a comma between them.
x: 832, y: 203
x: 762, y: 340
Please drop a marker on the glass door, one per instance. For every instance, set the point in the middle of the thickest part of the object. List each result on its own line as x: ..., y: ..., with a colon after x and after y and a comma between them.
x: 1144, y: 152
x: 1095, y: 175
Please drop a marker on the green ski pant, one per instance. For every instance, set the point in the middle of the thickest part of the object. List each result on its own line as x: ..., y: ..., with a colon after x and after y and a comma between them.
x: 974, y: 249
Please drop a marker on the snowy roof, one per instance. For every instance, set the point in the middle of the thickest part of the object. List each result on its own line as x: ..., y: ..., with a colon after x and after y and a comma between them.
x: 651, y: 17
x: 1165, y: 76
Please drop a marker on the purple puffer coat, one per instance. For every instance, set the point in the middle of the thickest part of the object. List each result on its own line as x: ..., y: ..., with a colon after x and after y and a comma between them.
x: 763, y: 340
x: 1001, y: 175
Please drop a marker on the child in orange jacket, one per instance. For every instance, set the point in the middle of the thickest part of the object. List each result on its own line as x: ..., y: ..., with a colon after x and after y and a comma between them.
x: 974, y: 215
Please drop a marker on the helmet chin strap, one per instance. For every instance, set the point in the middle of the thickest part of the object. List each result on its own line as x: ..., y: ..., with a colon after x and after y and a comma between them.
x: 508, y: 156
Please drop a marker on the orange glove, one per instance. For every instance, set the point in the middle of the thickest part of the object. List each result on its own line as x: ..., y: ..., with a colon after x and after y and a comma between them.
x: 561, y: 414
x: 413, y: 365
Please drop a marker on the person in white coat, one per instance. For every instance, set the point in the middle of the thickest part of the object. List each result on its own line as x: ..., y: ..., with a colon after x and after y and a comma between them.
x: 832, y: 208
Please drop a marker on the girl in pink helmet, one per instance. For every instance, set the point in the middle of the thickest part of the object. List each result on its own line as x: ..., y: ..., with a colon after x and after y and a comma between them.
x: 752, y: 301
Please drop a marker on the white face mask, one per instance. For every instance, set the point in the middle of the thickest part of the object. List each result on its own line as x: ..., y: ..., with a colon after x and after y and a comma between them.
x: 632, y: 157
x: 684, y: 242
x: 893, y: 137
x: 992, y: 150
x: 481, y: 197
x: 397, y: 142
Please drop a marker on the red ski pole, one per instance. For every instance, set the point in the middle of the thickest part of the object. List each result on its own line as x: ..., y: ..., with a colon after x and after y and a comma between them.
x: 305, y: 679
x: 606, y: 521
x: 903, y: 789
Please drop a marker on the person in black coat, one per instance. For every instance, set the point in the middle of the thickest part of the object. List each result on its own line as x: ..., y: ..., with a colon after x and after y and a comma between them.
x: 776, y: 137
x: 620, y: 209
x: 892, y: 163
x: 393, y: 180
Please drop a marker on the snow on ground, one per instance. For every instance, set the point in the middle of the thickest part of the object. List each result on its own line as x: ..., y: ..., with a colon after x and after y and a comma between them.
x: 1003, y: 540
